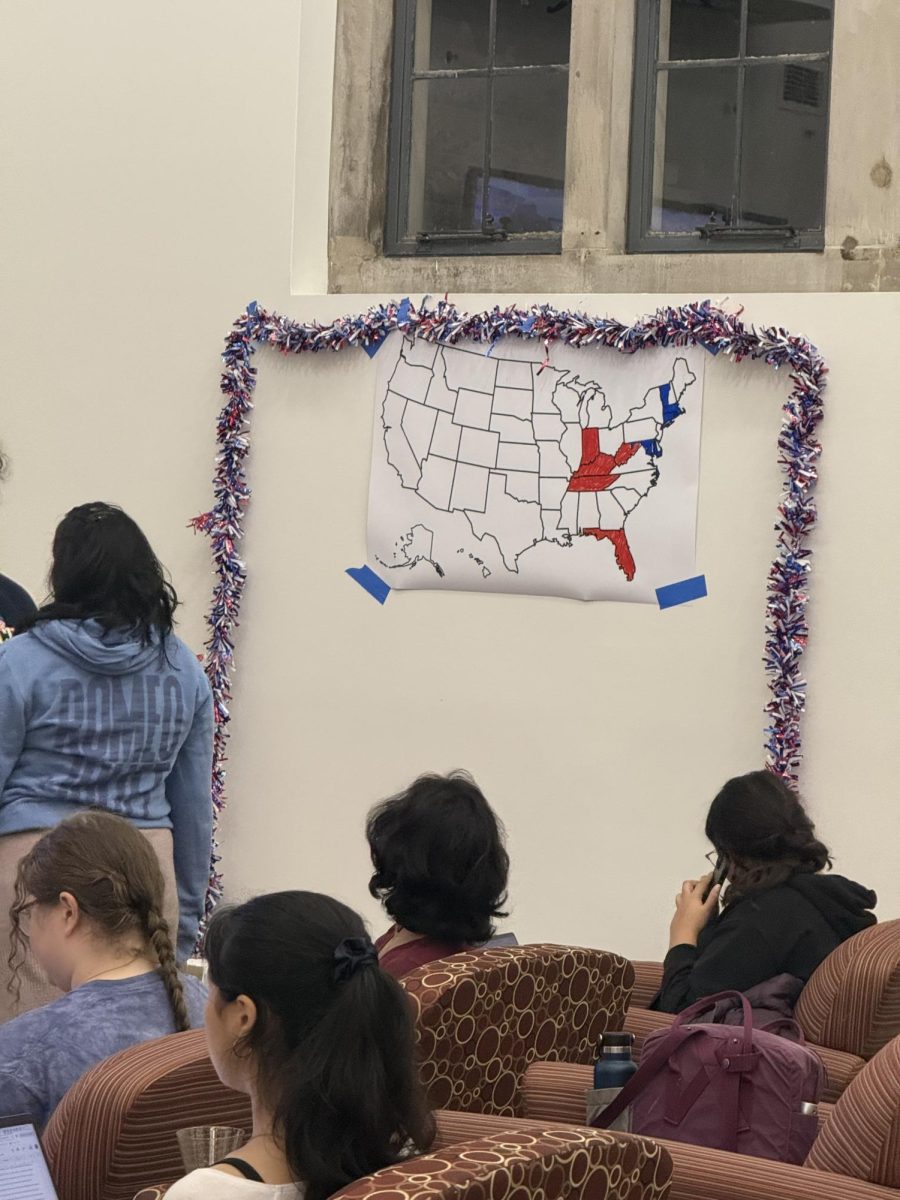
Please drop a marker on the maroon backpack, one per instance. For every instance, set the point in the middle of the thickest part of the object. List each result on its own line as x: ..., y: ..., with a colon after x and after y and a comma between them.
x: 725, y: 1086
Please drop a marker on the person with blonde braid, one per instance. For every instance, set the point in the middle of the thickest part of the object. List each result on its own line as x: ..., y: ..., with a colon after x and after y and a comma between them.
x: 88, y: 904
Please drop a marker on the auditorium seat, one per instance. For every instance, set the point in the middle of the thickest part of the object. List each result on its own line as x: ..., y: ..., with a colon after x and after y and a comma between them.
x: 482, y: 1017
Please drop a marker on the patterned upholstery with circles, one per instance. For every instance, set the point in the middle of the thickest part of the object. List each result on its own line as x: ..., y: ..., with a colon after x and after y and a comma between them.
x: 528, y: 1161
x: 482, y: 1017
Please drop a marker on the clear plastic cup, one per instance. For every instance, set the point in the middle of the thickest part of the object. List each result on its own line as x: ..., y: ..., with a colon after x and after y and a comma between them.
x: 203, y: 1145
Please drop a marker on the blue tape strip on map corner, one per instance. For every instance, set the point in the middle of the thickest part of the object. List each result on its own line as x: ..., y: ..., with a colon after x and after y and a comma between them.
x: 372, y: 348
x: 403, y: 311
x: 681, y: 593
x: 711, y: 349
x: 373, y: 584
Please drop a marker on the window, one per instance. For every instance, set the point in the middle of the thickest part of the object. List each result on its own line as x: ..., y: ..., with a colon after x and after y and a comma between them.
x: 729, y: 125
x: 478, y: 127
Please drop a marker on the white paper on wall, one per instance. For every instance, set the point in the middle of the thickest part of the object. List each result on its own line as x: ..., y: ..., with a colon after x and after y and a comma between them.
x: 496, y: 472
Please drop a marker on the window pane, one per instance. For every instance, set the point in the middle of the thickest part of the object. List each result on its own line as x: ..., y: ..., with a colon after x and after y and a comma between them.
x: 693, y: 171
x: 699, y: 29
x: 452, y: 34
x: 449, y: 117
x: 531, y: 32
x: 788, y: 26
x: 784, y: 147
x: 528, y: 152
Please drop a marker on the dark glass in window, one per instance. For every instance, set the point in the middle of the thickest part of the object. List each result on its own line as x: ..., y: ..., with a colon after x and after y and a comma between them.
x: 788, y: 26
x: 452, y: 34
x: 694, y: 168
x: 699, y: 29
x: 531, y: 32
x: 782, y: 151
x: 448, y: 131
x: 528, y: 153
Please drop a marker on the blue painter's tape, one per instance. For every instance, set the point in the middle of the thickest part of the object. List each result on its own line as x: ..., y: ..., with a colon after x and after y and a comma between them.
x: 252, y: 307
x: 681, y: 593
x: 374, y: 584
x: 527, y: 325
x: 713, y: 350
x: 403, y: 311
x: 372, y: 348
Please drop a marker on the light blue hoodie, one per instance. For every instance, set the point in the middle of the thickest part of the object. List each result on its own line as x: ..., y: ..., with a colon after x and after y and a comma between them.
x: 94, y: 718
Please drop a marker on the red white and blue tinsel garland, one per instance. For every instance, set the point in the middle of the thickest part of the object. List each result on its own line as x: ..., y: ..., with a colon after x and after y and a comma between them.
x: 698, y: 324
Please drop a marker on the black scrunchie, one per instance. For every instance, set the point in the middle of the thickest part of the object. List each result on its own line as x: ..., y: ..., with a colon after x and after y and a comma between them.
x: 351, y: 955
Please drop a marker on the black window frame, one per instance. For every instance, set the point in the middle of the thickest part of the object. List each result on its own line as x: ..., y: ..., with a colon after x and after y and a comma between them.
x: 397, y: 243
x: 640, y: 239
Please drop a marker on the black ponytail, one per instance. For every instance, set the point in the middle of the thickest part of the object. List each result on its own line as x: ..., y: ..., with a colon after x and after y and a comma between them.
x: 334, y: 1046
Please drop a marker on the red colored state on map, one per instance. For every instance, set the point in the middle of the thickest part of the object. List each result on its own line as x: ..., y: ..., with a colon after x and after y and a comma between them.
x: 596, y: 472
x: 624, y: 557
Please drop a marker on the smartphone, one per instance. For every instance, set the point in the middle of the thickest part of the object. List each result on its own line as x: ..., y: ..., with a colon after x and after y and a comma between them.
x: 718, y: 876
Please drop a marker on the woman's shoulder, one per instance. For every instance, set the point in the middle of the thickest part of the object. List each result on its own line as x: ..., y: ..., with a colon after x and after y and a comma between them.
x: 36, y: 1030
x: 182, y: 656
x: 210, y: 1184
x: 20, y: 647
x: 766, y: 904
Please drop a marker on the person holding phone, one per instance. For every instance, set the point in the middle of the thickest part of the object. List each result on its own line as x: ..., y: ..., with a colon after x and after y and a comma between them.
x: 780, y: 913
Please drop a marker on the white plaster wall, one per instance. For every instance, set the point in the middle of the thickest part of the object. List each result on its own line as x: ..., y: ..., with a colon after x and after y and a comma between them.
x: 147, y: 196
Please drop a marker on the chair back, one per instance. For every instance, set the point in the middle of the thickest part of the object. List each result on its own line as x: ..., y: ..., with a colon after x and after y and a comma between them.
x: 534, y: 1160
x: 554, y: 1163
x: 862, y: 1135
x: 114, y: 1130
x: 484, y: 1016
x: 852, y: 1000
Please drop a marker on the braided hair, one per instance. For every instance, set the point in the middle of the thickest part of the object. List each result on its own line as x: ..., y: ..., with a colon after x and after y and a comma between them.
x: 113, y: 873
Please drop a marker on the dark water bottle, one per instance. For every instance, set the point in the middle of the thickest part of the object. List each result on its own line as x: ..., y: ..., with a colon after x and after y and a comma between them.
x: 612, y: 1070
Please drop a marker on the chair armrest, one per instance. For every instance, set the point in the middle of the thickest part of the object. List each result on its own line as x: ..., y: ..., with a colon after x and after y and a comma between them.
x: 647, y: 980
x: 825, y: 1111
x: 557, y: 1092
x: 703, y: 1174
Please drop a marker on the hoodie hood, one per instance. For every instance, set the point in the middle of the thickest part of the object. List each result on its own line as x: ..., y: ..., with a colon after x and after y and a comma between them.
x: 841, y: 902
x: 92, y: 648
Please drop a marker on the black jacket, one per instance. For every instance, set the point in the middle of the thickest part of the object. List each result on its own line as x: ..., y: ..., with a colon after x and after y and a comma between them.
x: 15, y: 603
x: 788, y: 929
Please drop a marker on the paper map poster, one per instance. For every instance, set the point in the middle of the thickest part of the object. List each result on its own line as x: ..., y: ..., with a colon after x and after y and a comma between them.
x: 494, y: 472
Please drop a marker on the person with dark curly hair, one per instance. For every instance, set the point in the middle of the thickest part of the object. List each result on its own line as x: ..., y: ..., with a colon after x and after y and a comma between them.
x: 441, y: 870
x: 16, y: 605
x: 780, y: 914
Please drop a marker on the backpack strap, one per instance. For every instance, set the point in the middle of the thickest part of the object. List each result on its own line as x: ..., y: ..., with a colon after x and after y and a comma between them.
x: 650, y: 1067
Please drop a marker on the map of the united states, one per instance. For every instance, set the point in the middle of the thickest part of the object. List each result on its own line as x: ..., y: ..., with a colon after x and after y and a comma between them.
x: 528, y: 453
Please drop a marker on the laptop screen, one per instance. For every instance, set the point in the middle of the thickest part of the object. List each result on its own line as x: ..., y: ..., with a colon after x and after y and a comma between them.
x: 24, y: 1174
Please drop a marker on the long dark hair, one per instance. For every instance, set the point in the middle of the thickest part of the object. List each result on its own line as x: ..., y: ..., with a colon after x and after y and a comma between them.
x: 335, y: 1055
x: 111, y: 870
x: 104, y: 568
x: 441, y: 868
x: 761, y: 824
